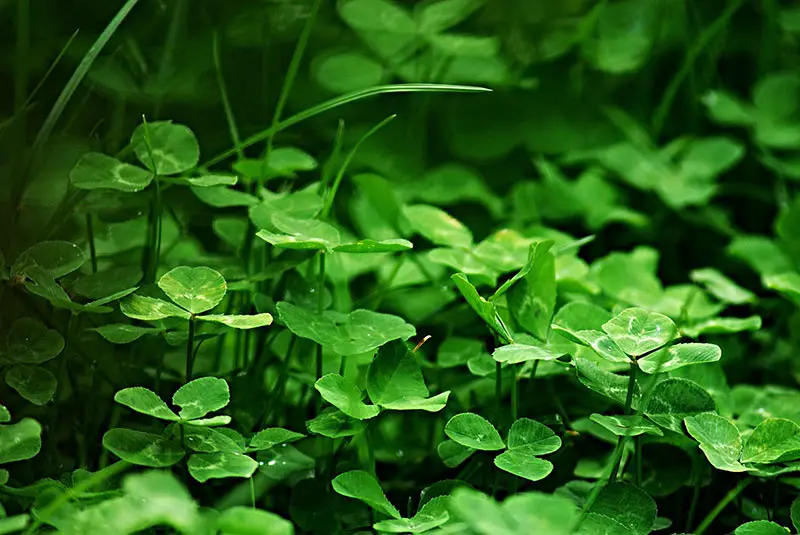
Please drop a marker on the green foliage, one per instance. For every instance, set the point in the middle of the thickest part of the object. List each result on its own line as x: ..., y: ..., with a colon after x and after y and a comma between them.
x: 253, y: 246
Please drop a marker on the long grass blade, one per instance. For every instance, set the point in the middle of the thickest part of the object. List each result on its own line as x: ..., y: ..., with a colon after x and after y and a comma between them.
x: 223, y: 93
x: 341, y: 101
x: 350, y: 155
x: 78, y: 76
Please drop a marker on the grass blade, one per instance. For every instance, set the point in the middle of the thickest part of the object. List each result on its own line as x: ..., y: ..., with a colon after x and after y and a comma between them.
x: 341, y: 101
x: 78, y: 75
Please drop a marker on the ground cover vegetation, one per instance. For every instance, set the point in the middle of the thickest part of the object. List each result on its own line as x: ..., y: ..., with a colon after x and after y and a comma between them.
x: 479, y: 267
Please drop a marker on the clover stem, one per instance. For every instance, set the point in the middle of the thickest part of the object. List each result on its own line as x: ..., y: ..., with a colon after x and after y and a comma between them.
x: 695, y: 500
x: 628, y: 409
x: 190, y: 349
x: 728, y: 498
x: 638, y: 442
x: 498, y: 390
x: 252, y: 493
x: 90, y: 238
x: 320, y: 306
x: 514, y: 395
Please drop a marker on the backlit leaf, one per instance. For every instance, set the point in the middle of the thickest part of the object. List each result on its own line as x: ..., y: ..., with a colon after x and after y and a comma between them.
x: 205, y: 466
x: 142, y: 307
x: 98, y: 171
x: 362, y: 486
x: 251, y: 321
x: 345, y: 396
x: 144, y: 449
x: 438, y: 226
x: 201, y: 396
x: 473, y: 431
x: 146, y: 402
x: 196, y: 289
x: 719, y: 440
x: 773, y: 440
x: 523, y: 465
x: 637, y: 331
x: 674, y: 399
x: 679, y: 355
x: 172, y: 148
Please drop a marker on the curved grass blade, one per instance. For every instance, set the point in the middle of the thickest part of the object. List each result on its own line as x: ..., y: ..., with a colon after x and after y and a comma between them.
x: 341, y: 101
x: 343, y: 168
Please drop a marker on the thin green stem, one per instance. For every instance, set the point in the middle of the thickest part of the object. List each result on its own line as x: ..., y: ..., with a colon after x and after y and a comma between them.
x: 628, y: 409
x: 638, y: 446
x: 320, y: 307
x: 498, y: 391
x: 190, y: 350
x: 90, y: 238
x: 723, y: 503
x: 230, y: 118
x: 514, y: 395
x: 692, y: 55
x: 531, y: 379
x: 326, y: 208
x: 252, y: 493
x: 695, y: 500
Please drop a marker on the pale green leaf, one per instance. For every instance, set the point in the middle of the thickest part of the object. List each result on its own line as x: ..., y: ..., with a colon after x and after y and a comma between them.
x: 165, y: 148
x: 20, y: 441
x: 438, y: 226
x: 431, y: 514
x: 674, y: 399
x: 201, y: 396
x: 196, y: 289
x: 637, y: 331
x: 345, y: 396
x: 251, y: 321
x: 719, y: 440
x: 143, y: 449
x: 267, y: 438
x: 630, y: 425
x: 523, y: 465
x: 679, y: 355
x: 362, y: 486
x: 241, y: 520
x: 219, y: 465
x: 146, y: 402
x: 375, y: 246
x: 98, y: 171
x: 141, y: 307
x: 722, y: 287
x: 473, y: 431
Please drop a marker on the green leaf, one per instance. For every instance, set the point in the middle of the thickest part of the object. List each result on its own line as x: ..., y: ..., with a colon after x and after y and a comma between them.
x: 386, y: 27
x: 679, y: 355
x: 201, y: 396
x: 722, y: 326
x: 523, y: 465
x: 54, y: 258
x: 395, y: 376
x: 98, y: 171
x: 141, y: 307
x: 358, y: 332
x: 303, y: 204
x: 437, y: 226
x: 486, y: 310
x: 787, y: 283
x: 431, y: 515
x: 30, y: 342
x: 627, y: 426
x: 674, y: 399
x: 452, y: 453
x: 795, y: 514
x: 123, y: 333
x: 473, y: 431
x: 143, y: 449
x: 532, y: 299
x: 628, y: 505
x: 146, y: 402
x: 773, y: 440
x: 302, y: 234
x: 345, y: 396
x: 223, y: 197
x: 105, y: 283
x: 213, y: 421
x: 170, y: 149
x: 435, y: 17
x: 602, y: 344
x: 719, y: 440
x: 604, y: 382
x: 267, y: 438
x: 532, y: 438
x: 722, y: 287
x: 375, y: 246
x: 241, y: 520
x: 209, y: 181
x: 762, y: 254
x: 579, y: 316
x: 726, y: 109
x: 219, y: 465
x: 482, y: 514
x: 760, y: 527
x: 516, y: 353
x: 251, y: 321
x: 5, y: 416
x: 20, y: 441
x: 13, y: 524
x: 34, y: 383
x: 333, y: 423
x: 196, y: 289
x: 347, y: 71
x: 211, y: 440
x: 362, y: 486
x: 637, y: 331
